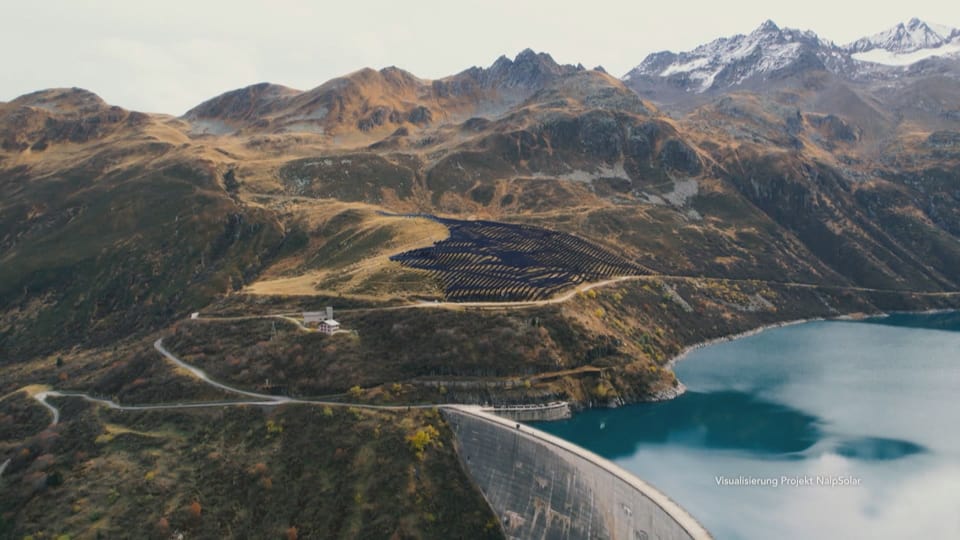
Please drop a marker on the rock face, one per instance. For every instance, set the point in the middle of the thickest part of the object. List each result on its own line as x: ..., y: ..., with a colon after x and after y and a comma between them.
x: 527, y: 73
x: 529, y: 70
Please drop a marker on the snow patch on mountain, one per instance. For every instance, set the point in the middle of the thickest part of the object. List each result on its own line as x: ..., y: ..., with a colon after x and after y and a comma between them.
x: 891, y: 58
x: 692, y: 65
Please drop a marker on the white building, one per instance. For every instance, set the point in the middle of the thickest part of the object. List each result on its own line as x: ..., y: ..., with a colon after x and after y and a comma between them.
x: 324, y: 320
x: 328, y: 326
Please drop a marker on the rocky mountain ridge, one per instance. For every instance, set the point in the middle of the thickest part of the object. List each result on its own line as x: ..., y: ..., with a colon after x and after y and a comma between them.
x: 771, y: 54
x: 908, y: 37
x: 378, y: 101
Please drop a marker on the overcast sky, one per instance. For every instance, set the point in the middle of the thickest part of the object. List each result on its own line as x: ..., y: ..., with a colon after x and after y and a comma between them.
x: 169, y: 55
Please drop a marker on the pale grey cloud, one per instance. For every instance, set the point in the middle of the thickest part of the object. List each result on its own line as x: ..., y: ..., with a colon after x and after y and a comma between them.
x: 168, y: 56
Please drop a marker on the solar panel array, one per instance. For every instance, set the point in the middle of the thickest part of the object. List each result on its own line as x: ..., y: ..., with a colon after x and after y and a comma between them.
x: 494, y: 261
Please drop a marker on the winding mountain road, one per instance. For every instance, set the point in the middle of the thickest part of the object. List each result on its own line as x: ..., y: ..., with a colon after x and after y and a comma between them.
x: 200, y: 374
x: 559, y: 299
x: 258, y: 399
x: 264, y: 399
x: 42, y: 398
x: 582, y: 288
x: 261, y: 400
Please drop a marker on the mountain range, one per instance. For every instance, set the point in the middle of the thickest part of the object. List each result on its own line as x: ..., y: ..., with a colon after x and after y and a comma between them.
x: 754, y: 180
x: 771, y: 54
x: 768, y: 54
x: 836, y: 169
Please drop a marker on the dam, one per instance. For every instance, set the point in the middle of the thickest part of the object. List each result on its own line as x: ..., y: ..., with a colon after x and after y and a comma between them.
x: 542, y: 487
x: 555, y: 410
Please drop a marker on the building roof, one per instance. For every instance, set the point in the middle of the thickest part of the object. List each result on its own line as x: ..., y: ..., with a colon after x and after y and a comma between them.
x: 330, y: 322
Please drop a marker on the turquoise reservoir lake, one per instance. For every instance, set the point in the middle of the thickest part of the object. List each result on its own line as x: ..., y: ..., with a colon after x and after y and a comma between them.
x: 830, y: 429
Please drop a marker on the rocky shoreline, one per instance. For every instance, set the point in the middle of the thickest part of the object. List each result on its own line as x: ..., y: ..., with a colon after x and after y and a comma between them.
x: 666, y: 394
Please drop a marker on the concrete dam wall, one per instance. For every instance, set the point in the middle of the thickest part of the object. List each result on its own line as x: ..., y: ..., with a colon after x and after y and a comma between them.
x: 542, y: 487
x: 545, y: 412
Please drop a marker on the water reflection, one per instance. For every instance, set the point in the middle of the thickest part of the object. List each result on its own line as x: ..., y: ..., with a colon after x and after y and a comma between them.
x: 731, y: 421
x: 877, y: 448
x: 727, y: 420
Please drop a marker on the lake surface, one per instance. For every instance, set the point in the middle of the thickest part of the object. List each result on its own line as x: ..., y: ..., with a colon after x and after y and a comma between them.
x: 832, y: 429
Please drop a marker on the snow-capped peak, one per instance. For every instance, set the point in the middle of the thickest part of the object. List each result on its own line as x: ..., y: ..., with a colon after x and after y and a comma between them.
x: 770, y: 53
x: 730, y: 61
x: 906, y: 44
x: 767, y: 26
x: 905, y: 38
